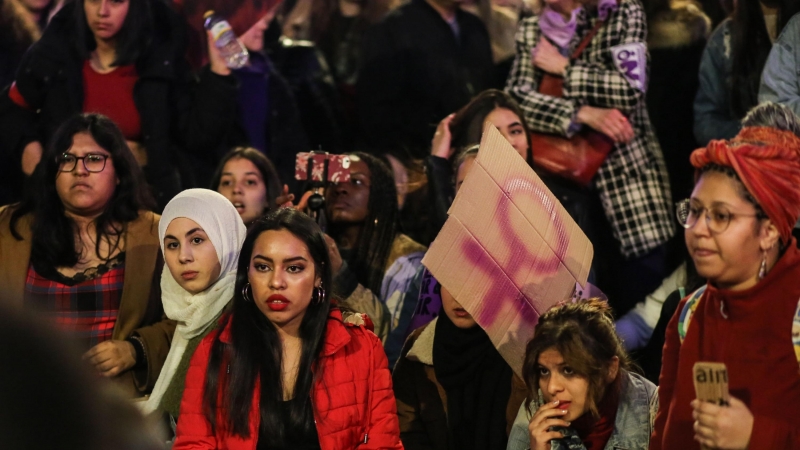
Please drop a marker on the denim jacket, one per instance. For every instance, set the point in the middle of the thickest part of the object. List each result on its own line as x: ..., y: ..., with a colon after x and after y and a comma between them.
x: 780, y: 81
x: 713, y: 115
x: 637, y: 408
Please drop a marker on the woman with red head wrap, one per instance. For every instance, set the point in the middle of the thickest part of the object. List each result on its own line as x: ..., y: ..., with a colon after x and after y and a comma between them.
x: 738, y: 232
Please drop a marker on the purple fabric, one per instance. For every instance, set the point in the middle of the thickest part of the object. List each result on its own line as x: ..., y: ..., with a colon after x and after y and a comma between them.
x: 556, y: 29
x: 606, y: 7
x: 587, y: 292
x: 254, y: 100
x: 430, y: 301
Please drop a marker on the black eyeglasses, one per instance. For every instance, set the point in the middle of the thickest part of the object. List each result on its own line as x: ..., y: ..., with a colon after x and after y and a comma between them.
x: 717, y: 218
x: 93, y: 162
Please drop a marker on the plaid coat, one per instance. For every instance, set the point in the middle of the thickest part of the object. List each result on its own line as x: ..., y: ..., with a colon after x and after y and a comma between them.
x: 632, y: 182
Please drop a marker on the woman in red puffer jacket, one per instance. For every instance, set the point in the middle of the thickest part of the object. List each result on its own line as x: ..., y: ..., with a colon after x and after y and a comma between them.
x: 286, y: 370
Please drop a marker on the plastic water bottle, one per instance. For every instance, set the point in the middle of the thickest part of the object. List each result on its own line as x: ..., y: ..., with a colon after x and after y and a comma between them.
x: 233, y: 52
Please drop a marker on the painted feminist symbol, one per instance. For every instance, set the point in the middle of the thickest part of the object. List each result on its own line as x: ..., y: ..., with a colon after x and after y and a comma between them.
x: 631, y: 60
x: 628, y: 64
x: 519, y: 260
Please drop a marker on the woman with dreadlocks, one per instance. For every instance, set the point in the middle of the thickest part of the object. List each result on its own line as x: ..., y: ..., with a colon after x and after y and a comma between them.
x: 362, y: 216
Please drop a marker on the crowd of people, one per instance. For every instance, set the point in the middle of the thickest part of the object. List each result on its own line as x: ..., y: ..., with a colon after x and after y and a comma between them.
x: 164, y: 264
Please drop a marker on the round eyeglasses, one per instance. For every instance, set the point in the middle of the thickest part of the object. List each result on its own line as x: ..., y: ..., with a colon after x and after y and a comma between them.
x: 92, y: 162
x: 717, y: 218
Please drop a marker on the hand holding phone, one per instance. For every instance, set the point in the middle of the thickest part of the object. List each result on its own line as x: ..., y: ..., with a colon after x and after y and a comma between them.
x: 338, y: 167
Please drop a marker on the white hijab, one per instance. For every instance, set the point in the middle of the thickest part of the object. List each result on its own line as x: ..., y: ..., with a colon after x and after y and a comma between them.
x: 196, y: 313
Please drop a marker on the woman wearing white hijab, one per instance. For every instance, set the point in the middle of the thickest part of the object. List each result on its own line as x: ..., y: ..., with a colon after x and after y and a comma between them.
x: 201, y: 234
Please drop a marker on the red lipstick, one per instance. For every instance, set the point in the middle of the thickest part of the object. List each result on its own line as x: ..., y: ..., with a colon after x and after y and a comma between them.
x: 277, y: 302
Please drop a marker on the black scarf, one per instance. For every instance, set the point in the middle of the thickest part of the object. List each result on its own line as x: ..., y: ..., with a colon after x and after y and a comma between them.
x: 477, y: 381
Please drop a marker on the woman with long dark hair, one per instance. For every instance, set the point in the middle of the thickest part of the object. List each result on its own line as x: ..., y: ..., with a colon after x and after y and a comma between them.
x: 286, y: 370
x: 82, y: 249
x: 124, y: 59
x: 362, y: 217
x: 732, y: 63
x: 463, y: 129
x: 247, y: 178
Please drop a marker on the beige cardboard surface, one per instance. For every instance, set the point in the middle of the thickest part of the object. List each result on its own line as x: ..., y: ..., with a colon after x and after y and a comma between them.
x: 508, y: 250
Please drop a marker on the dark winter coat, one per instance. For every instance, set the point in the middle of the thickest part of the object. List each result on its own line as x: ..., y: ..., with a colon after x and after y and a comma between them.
x: 676, y: 39
x: 415, y: 72
x: 182, y: 116
x: 285, y: 134
x: 422, y: 401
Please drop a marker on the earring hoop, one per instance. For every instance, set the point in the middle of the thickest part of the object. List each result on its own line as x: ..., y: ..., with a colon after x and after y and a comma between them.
x: 245, y: 293
x: 319, y: 296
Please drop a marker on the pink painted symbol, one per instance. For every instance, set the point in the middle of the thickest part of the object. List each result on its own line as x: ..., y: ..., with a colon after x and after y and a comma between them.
x: 519, y: 262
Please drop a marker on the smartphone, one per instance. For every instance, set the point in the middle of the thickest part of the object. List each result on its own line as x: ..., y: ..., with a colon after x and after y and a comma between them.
x: 338, y: 167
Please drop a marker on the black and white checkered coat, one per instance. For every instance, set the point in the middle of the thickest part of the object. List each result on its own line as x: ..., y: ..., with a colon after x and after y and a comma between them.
x: 632, y: 183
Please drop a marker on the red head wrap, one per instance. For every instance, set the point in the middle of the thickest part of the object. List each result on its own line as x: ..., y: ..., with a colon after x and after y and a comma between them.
x: 767, y: 161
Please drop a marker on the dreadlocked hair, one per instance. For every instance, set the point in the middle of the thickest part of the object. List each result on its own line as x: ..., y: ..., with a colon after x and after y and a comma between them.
x: 380, y: 226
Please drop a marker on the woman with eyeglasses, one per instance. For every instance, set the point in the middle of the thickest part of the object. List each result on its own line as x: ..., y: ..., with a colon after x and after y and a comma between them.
x: 82, y: 250
x: 738, y: 232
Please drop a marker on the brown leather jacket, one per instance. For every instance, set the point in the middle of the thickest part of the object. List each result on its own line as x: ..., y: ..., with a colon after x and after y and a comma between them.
x: 140, y: 310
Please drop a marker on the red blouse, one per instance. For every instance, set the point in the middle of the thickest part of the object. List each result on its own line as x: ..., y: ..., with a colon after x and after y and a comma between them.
x: 111, y: 94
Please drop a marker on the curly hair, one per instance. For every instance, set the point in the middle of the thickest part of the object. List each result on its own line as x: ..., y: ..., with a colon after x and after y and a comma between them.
x: 583, y: 332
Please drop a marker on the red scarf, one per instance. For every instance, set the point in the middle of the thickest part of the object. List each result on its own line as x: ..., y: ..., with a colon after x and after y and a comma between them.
x: 595, y: 432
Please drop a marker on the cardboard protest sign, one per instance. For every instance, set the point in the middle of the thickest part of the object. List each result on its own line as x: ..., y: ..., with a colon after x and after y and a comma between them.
x: 711, y: 384
x: 509, y: 250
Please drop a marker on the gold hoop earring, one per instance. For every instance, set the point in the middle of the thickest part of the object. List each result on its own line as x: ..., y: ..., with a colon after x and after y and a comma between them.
x: 245, y: 293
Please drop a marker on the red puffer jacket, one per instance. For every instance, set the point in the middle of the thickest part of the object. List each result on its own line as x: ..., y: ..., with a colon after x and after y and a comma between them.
x: 354, y: 405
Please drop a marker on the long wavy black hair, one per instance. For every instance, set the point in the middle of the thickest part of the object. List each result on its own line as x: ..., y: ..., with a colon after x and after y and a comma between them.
x: 53, y: 233
x: 380, y: 227
x: 255, y: 350
x: 750, y: 47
